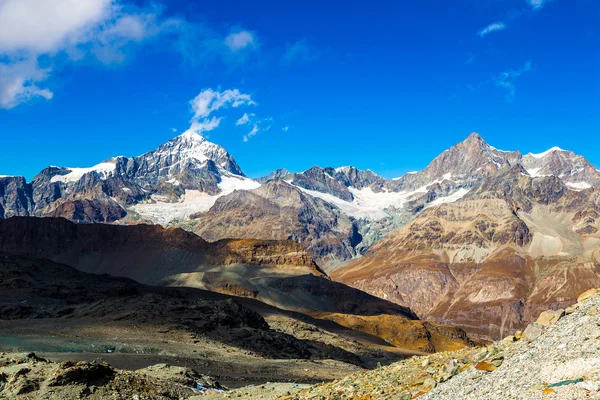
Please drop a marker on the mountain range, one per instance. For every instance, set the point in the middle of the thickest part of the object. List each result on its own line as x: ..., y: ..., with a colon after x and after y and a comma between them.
x: 480, y: 234
x: 337, y: 213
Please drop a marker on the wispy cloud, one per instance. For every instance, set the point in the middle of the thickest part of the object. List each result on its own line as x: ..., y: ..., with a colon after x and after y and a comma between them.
x: 285, y: 128
x: 205, y: 124
x: 299, y: 51
x: 252, y: 133
x: 258, y: 125
x: 493, y: 27
x: 19, y: 82
x: 245, y: 119
x: 506, y: 80
x: 209, y: 101
x: 536, y: 4
x: 237, y: 41
x: 470, y: 60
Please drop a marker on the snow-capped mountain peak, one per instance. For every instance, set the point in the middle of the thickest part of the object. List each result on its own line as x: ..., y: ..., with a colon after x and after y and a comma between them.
x: 193, y: 147
x: 188, y: 151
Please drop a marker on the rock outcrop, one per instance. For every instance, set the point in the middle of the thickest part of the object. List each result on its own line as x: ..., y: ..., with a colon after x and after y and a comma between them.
x: 31, y: 377
x: 15, y: 197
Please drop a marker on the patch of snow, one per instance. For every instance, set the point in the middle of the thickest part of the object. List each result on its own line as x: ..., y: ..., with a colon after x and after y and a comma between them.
x: 534, y: 172
x: 230, y: 183
x: 578, y: 185
x: 103, y: 169
x: 501, y: 151
x: 366, y: 204
x: 459, y: 194
x: 192, y: 202
x: 127, y: 190
x: 447, y: 176
x: 344, y: 168
x: 173, y: 182
x: 540, y: 155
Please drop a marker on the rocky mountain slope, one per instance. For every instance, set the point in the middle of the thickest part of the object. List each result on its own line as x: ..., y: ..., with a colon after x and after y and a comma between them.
x: 555, y: 358
x: 513, y: 246
x: 279, y: 210
x: 146, y: 253
x: 278, y: 273
x: 35, y: 288
x: 68, y: 315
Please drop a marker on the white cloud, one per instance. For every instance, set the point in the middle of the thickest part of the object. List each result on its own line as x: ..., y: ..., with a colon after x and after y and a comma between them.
x: 174, y: 130
x: 536, y: 4
x: 506, y: 80
x: 41, y: 26
x: 18, y: 83
x: 205, y: 124
x: 245, y: 119
x: 66, y: 30
x: 240, y: 40
x: 493, y: 27
x: 285, y: 128
x: 252, y: 133
x: 209, y: 101
x: 470, y: 60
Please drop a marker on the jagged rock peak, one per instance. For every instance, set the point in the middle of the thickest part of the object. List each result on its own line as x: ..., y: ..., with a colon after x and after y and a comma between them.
x: 475, y: 137
x: 279, y: 173
x: 470, y: 159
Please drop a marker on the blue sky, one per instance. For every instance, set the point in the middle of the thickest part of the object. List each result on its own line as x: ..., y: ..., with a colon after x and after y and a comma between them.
x: 385, y: 85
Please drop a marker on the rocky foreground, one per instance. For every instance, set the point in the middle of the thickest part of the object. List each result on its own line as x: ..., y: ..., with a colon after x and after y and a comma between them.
x: 557, y: 357
x: 32, y: 377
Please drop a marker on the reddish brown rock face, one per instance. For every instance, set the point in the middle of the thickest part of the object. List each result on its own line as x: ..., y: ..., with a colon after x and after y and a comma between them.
x: 125, y: 250
x: 491, y: 262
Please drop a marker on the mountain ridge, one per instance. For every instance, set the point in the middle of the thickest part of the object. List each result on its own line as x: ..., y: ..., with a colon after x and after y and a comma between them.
x: 186, y: 177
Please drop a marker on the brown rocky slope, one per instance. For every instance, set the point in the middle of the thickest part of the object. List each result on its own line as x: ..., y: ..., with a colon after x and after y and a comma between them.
x: 555, y: 358
x: 278, y: 273
x: 490, y: 262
